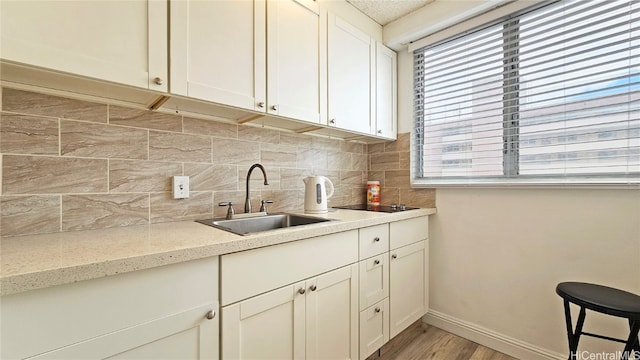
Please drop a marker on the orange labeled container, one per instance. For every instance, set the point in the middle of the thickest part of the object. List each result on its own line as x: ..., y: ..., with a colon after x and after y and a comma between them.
x: 373, y: 193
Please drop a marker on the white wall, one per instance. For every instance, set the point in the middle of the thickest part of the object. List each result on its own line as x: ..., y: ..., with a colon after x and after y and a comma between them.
x: 497, y: 254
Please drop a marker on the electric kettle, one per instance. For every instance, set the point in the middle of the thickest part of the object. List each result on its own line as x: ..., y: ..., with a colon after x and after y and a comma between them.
x: 315, y: 194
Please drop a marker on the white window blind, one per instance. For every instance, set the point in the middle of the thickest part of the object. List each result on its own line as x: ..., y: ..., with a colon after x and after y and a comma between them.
x: 550, y: 95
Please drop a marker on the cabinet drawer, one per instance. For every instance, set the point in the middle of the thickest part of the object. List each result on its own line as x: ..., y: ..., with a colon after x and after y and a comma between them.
x: 254, y: 272
x: 374, y: 240
x: 374, y: 280
x: 408, y: 231
x: 374, y: 328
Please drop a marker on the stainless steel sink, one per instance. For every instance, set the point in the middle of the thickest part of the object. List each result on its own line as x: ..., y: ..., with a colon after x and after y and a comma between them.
x: 250, y: 225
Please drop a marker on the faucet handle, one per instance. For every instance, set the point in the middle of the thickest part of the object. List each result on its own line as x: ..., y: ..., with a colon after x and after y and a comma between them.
x: 230, y: 210
x: 263, y: 205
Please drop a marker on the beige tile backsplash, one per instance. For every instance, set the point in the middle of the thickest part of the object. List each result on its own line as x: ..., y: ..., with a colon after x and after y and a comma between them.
x: 71, y: 165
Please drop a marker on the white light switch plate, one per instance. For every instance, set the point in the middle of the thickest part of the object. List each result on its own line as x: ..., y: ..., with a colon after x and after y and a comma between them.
x: 180, y: 187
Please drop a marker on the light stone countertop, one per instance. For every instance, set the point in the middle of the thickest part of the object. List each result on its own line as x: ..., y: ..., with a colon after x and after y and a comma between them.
x: 38, y: 261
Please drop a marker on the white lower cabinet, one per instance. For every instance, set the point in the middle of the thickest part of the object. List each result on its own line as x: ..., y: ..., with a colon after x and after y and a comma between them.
x: 169, y: 312
x: 312, y: 319
x: 374, y: 328
x: 407, y: 286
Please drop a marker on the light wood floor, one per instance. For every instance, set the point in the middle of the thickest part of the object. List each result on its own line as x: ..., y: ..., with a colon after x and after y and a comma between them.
x: 423, y: 342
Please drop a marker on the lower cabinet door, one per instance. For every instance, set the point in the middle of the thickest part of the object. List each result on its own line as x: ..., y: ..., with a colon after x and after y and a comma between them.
x: 186, y: 335
x: 332, y: 315
x: 374, y: 280
x: 374, y: 328
x: 267, y: 326
x: 407, y: 286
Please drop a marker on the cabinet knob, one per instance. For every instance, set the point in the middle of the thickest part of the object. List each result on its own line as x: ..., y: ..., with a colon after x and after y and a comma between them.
x: 210, y: 315
x: 313, y: 287
x: 379, y: 131
x: 274, y: 107
x: 158, y: 81
x: 332, y: 121
x: 376, y: 262
x: 301, y: 291
x: 394, y: 256
x: 261, y: 104
x: 376, y: 239
x: 377, y: 310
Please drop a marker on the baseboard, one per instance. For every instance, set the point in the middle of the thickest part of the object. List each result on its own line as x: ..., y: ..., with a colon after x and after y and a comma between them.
x: 491, y: 339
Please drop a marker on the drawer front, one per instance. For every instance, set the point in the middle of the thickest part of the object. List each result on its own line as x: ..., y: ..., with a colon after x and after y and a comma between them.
x: 405, y: 232
x: 374, y: 240
x: 374, y: 328
x: 374, y: 280
x: 249, y: 273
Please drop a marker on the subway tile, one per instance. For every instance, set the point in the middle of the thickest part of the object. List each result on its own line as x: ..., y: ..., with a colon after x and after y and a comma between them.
x: 291, y: 179
x: 351, y: 178
x: 102, y: 141
x: 401, y: 144
x: 311, y: 159
x: 360, y: 162
x: 300, y: 140
x: 375, y: 148
x: 211, y: 128
x: 206, y: 177
x: 52, y: 175
x: 352, y: 147
x: 27, y: 102
x: 278, y: 155
x: 26, y: 134
x: 385, y: 161
x: 235, y: 152
x: 144, y: 119
x: 425, y: 198
x: 141, y: 176
x: 164, y: 208
x: 337, y: 160
x: 405, y: 160
x: 376, y: 176
x: 23, y: 215
x: 82, y: 212
x: 252, y: 133
x: 325, y: 144
x: 397, y: 178
x: 390, y: 195
x: 164, y: 146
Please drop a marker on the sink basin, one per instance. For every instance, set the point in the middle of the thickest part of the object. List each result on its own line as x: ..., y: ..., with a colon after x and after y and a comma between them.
x: 246, y: 226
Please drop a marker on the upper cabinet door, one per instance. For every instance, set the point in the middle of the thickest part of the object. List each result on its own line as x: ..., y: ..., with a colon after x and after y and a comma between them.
x: 218, y: 51
x: 293, y: 59
x: 386, y: 92
x: 349, y: 53
x: 82, y: 38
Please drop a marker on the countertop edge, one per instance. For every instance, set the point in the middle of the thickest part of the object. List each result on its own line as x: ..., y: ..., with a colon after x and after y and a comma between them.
x: 39, y: 279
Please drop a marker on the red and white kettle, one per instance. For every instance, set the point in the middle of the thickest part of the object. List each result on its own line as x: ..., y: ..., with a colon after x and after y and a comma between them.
x: 317, y: 190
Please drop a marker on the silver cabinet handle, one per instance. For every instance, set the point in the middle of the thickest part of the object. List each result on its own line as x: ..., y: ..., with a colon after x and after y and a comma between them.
x: 274, y: 107
x: 261, y: 104
x: 376, y: 239
x: 158, y: 81
x: 313, y: 288
x: 301, y: 291
x: 379, y: 131
x: 394, y: 256
x: 332, y: 121
x: 376, y: 262
x: 377, y: 309
x: 210, y: 315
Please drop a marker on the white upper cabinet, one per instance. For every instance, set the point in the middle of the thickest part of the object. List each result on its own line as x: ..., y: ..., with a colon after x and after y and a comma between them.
x: 386, y: 92
x: 82, y: 38
x: 350, y: 53
x: 256, y: 55
x: 218, y: 52
x: 293, y: 59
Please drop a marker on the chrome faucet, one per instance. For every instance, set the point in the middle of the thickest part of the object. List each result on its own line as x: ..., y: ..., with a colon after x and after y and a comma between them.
x: 247, y: 201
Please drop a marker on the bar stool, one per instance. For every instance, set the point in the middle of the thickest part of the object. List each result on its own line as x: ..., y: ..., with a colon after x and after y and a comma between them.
x: 604, y: 300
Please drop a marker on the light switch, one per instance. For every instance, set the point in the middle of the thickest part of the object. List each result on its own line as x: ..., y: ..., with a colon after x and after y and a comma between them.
x: 180, y: 187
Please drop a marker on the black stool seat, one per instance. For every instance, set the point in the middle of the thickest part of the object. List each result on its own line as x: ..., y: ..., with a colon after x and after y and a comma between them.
x: 602, y: 299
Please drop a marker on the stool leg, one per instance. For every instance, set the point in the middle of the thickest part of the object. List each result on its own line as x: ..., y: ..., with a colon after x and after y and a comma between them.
x: 574, y: 337
x: 633, y: 343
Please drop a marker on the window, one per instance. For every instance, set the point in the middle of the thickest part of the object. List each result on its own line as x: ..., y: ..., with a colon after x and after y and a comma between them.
x: 546, y: 96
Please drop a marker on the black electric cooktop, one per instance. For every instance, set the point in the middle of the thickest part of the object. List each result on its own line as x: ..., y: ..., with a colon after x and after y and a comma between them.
x: 383, y: 208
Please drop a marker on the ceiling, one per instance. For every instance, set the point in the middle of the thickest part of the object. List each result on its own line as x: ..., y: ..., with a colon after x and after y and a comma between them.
x: 386, y: 11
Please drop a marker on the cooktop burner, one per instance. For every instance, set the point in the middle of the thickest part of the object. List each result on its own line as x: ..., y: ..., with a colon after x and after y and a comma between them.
x: 383, y: 208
